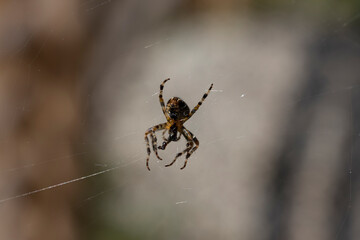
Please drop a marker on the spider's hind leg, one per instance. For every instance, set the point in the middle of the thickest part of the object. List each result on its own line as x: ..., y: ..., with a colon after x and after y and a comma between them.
x: 189, y: 145
x: 196, y: 141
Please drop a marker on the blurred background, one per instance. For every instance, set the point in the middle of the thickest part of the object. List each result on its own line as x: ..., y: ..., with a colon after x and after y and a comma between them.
x: 279, y: 133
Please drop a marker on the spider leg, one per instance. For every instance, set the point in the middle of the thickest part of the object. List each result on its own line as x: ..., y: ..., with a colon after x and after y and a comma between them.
x: 167, y: 141
x: 163, y: 134
x: 189, y: 145
x: 164, y: 144
x: 152, y: 131
x: 199, y: 104
x: 154, y: 144
x: 197, y: 143
x: 161, y: 99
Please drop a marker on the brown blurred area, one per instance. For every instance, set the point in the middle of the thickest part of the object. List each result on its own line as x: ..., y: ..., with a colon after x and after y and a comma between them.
x: 279, y: 149
x: 42, y: 54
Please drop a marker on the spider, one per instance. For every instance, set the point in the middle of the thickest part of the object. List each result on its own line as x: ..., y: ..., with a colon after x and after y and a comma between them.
x: 177, y: 113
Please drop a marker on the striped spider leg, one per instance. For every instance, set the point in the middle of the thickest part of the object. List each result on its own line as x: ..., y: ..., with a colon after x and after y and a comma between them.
x: 191, y: 139
x: 152, y: 131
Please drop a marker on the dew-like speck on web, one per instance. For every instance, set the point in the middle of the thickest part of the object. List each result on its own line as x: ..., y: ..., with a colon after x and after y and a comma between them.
x: 153, y: 44
x: 214, y: 90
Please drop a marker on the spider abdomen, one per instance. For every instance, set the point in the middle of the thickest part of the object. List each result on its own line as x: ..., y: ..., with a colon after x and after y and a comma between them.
x: 177, y: 109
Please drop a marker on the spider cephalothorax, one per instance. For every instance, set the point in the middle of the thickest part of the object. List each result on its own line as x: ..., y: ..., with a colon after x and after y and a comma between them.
x: 177, y: 113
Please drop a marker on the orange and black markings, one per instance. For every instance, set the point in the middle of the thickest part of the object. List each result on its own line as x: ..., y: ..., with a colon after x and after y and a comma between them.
x: 177, y: 113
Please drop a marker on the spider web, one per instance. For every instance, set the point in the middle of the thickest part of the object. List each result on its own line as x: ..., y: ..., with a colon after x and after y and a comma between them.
x: 259, y: 132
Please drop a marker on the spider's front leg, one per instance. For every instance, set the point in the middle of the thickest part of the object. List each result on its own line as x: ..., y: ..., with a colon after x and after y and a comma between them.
x: 163, y: 134
x: 167, y: 140
x: 164, y: 144
x: 152, y: 131
x: 199, y: 104
x: 161, y: 99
